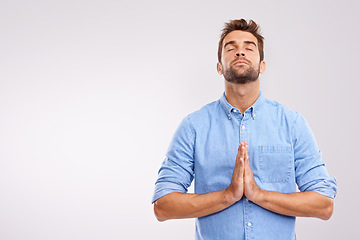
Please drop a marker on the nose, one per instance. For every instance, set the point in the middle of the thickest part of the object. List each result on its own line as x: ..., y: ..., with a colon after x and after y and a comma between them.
x: 238, y: 54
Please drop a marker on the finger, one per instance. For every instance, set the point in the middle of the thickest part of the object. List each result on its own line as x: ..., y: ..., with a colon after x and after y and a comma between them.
x: 239, y: 163
x: 246, y: 156
x: 247, y: 166
x: 241, y: 151
x: 240, y: 158
x: 246, y: 150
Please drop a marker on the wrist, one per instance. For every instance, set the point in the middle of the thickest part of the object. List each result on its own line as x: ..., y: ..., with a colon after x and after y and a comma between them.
x: 230, y: 197
x: 259, y: 197
x: 253, y: 193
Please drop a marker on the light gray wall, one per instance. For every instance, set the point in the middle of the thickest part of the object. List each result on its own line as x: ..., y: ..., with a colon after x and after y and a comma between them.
x: 91, y: 93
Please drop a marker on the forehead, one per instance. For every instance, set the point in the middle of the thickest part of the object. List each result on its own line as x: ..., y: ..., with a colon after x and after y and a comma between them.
x: 239, y: 36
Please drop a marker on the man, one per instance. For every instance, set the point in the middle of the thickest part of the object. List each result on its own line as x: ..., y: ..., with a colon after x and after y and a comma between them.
x: 247, y: 155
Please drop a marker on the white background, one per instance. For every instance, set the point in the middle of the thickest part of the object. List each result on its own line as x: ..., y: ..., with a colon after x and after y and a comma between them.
x: 91, y: 93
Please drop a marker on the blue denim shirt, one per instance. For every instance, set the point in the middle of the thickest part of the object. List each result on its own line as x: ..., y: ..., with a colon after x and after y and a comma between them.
x: 283, y: 156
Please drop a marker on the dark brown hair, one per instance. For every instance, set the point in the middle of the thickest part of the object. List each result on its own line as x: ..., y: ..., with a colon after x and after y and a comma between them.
x: 243, y: 25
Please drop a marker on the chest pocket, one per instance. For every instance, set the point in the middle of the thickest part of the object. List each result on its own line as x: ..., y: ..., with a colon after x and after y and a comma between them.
x: 275, y: 163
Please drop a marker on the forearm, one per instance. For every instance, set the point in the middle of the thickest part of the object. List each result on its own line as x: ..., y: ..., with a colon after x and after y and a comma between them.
x: 187, y: 205
x: 299, y: 204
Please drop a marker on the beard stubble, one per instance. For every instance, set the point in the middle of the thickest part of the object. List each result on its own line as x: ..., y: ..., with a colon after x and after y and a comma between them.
x: 233, y: 75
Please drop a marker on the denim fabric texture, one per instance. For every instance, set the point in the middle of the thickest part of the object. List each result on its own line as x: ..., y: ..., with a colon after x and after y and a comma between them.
x: 284, y: 157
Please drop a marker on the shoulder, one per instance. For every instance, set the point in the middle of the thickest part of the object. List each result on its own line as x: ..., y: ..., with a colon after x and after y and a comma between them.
x: 281, y: 109
x: 203, y: 115
x: 282, y: 113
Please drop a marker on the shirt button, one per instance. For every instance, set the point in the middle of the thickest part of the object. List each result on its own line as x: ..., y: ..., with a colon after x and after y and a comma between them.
x: 249, y: 224
x: 246, y: 199
x: 234, y: 110
x: 243, y: 127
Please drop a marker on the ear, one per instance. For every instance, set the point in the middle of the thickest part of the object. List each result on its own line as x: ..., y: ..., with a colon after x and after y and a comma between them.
x: 262, y: 67
x: 219, y: 68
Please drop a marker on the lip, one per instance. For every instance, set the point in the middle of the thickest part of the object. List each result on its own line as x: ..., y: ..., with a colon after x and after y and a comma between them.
x: 240, y: 62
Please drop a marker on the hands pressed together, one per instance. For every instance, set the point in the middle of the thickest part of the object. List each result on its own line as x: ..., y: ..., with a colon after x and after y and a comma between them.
x: 186, y: 205
x: 243, y: 182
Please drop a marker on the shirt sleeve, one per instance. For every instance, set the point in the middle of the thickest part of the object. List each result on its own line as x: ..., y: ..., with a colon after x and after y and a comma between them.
x: 310, y: 170
x: 177, y: 170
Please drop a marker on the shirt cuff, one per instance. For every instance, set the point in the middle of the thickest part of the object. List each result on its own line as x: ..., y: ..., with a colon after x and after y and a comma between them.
x: 327, y: 187
x: 164, y: 188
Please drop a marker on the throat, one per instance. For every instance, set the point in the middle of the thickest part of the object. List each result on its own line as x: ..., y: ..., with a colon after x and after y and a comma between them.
x: 242, y: 96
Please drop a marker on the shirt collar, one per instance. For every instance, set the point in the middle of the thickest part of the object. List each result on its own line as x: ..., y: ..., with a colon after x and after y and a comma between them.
x: 254, y: 108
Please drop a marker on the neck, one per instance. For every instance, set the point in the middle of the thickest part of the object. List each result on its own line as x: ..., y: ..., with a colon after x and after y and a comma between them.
x: 242, y: 96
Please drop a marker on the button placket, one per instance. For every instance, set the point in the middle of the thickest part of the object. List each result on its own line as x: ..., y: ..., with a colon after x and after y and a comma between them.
x: 248, y: 220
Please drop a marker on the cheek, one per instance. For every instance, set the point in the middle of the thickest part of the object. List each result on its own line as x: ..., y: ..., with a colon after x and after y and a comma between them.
x: 255, y: 61
x: 225, y: 62
x: 254, y: 56
x: 226, y: 57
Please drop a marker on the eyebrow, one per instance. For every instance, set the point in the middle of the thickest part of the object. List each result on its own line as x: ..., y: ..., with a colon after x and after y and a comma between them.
x: 250, y: 42
x: 233, y: 42
x: 229, y: 43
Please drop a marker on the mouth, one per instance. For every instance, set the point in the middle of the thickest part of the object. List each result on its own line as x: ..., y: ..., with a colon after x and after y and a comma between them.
x: 241, y: 62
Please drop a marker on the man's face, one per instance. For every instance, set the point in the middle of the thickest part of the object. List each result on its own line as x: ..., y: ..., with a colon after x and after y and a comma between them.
x: 240, y: 60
